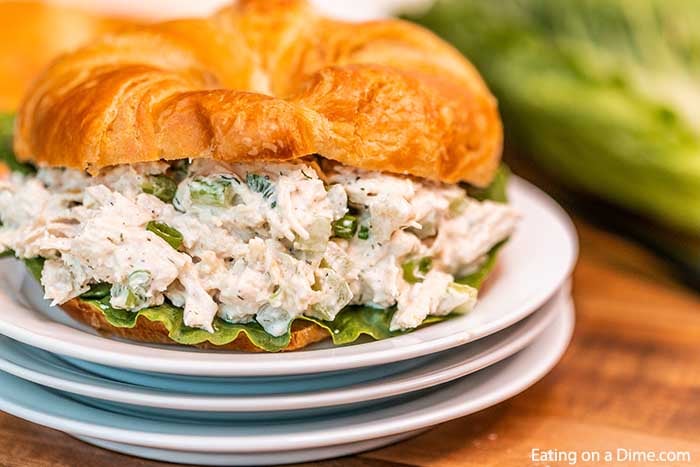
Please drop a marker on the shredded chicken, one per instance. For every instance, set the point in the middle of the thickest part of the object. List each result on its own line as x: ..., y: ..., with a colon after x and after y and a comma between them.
x: 263, y: 243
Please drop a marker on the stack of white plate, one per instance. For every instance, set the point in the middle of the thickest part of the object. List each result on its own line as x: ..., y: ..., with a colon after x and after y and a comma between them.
x: 181, y: 405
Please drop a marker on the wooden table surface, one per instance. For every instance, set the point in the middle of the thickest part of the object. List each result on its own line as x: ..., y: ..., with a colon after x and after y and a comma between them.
x: 630, y: 380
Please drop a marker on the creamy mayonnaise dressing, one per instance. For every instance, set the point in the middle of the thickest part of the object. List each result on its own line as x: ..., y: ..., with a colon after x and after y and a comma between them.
x: 259, y: 242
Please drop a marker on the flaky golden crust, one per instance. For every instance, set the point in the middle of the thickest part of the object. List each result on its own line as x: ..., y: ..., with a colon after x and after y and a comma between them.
x: 32, y: 34
x: 303, y: 332
x: 266, y: 80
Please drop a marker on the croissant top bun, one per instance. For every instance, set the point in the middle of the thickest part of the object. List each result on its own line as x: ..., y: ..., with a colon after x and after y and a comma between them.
x: 266, y: 80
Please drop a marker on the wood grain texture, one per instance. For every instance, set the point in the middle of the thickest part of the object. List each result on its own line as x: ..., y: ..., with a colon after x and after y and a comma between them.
x: 630, y: 379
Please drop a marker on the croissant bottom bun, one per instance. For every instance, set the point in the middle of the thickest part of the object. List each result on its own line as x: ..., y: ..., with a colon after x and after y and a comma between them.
x: 302, y: 333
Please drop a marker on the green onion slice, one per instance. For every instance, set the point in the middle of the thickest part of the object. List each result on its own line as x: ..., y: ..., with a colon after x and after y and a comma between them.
x: 211, y: 192
x: 363, y: 232
x: 136, y: 289
x: 167, y: 233
x: 260, y: 184
x: 345, y: 227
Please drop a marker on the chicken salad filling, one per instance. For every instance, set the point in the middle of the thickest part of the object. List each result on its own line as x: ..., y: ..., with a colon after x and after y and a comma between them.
x: 253, y: 243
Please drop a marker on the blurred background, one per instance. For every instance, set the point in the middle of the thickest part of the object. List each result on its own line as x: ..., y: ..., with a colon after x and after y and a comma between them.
x: 601, y: 102
x: 600, y: 98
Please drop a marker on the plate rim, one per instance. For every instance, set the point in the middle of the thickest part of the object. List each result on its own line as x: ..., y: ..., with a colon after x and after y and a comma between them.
x: 339, y: 358
x: 547, y: 351
x: 430, y: 374
x: 249, y: 459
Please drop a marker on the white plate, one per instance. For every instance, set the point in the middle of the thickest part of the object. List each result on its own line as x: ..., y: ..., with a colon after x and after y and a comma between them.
x: 45, y: 369
x: 532, y: 266
x: 462, y: 397
x: 268, y: 458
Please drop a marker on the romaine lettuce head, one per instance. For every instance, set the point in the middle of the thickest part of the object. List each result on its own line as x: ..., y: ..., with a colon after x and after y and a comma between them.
x: 605, y: 94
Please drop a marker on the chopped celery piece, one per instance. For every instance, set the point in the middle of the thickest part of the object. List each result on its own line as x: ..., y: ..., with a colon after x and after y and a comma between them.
x: 460, y: 298
x: 160, y: 186
x: 211, y: 192
x: 414, y: 270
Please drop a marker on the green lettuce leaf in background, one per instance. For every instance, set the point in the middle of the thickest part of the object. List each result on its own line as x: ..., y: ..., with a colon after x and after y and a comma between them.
x: 604, y: 94
x: 348, y: 326
x: 7, y: 155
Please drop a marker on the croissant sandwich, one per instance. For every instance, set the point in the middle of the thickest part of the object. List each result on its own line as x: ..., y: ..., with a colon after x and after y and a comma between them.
x: 261, y: 179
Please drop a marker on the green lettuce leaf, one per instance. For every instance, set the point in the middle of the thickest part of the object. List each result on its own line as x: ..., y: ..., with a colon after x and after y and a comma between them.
x: 35, y: 266
x: 603, y: 94
x: 496, y: 191
x: 477, y: 278
x: 171, y: 317
x: 7, y: 155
